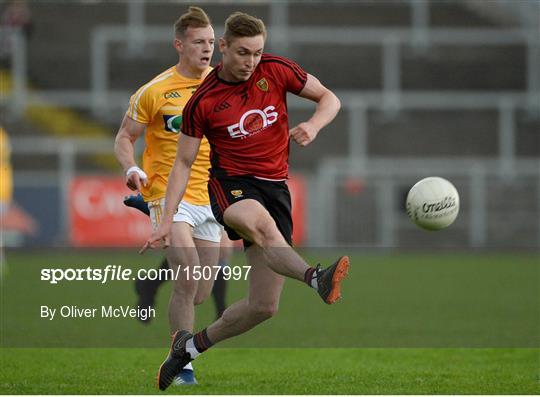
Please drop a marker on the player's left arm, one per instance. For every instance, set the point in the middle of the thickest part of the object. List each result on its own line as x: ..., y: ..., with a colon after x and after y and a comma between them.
x: 327, y: 108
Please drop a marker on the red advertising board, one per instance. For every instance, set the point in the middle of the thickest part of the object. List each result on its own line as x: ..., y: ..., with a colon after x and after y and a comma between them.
x: 297, y: 187
x: 99, y: 218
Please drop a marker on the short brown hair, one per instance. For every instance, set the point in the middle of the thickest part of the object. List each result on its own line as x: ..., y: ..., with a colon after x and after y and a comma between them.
x: 240, y: 24
x: 195, y: 17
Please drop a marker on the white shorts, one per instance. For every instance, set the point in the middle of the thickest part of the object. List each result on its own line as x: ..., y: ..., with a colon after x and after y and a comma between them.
x: 199, y: 217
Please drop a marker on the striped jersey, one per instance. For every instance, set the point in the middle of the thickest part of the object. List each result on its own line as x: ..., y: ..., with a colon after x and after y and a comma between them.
x: 246, y: 122
x: 159, y: 105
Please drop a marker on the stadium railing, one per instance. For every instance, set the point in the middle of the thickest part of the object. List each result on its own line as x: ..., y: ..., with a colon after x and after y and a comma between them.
x: 369, y: 213
x: 390, y: 99
x: 488, y: 217
x: 390, y: 39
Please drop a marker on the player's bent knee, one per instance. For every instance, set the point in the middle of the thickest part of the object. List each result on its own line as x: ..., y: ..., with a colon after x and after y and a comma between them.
x: 260, y: 229
x: 266, y: 234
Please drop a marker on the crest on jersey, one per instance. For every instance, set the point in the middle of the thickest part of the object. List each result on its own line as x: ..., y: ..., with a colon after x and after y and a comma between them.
x: 262, y: 84
x: 173, y: 123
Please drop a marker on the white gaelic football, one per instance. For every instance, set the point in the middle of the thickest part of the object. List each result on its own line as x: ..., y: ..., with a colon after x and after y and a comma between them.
x: 433, y: 203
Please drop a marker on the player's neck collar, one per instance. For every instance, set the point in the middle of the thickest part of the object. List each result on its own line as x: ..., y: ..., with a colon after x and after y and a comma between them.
x: 218, y: 69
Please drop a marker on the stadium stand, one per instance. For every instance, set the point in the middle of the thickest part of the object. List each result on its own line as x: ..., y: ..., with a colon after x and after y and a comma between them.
x: 444, y: 68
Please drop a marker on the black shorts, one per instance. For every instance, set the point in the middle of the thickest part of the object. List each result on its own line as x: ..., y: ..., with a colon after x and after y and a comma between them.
x: 273, y: 195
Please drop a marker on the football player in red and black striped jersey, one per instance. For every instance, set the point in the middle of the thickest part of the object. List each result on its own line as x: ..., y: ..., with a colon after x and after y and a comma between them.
x: 241, y: 109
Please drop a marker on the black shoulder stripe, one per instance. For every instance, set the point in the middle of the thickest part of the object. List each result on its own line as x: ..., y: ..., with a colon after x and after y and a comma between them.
x: 292, y: 64
x: 208, y: 80
x: 203, y: 88
x: 192, y: 105
x: 301, y: 78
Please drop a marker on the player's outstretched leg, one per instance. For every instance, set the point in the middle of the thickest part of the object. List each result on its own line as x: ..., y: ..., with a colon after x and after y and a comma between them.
x: 327, y: 281
x: 253, y: 222
x: 177, y: 359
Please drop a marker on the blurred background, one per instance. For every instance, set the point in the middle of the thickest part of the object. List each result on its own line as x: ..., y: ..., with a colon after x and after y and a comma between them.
x: 447, y: 88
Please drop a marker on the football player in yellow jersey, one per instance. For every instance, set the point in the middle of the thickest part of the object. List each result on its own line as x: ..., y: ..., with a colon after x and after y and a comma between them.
x: 156, y: 108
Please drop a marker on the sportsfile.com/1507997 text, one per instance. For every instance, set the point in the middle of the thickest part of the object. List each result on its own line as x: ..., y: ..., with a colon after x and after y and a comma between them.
x: 120, y: 273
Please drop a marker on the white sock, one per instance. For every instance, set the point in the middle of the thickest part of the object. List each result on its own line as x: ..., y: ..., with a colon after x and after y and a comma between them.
x: 191, y: 349
x: 314, y: 283
x: 189, y: 366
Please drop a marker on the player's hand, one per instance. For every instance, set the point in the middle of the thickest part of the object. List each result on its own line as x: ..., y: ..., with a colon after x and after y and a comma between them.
x: 159, y: 236
x: 303, y: 133
x: 136, y: 178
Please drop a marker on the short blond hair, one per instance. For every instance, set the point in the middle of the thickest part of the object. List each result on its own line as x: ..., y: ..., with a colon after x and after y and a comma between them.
x: 239, y: 24
x: 195, y: 17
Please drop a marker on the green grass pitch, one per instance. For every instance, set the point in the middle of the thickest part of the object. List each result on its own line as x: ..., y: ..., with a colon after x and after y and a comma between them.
x: 453, y: 323
x: 276, y: 371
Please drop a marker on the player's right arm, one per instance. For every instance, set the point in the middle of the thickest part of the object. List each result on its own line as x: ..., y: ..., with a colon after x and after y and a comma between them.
x: 186, y: 152
x: 124, y: 145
